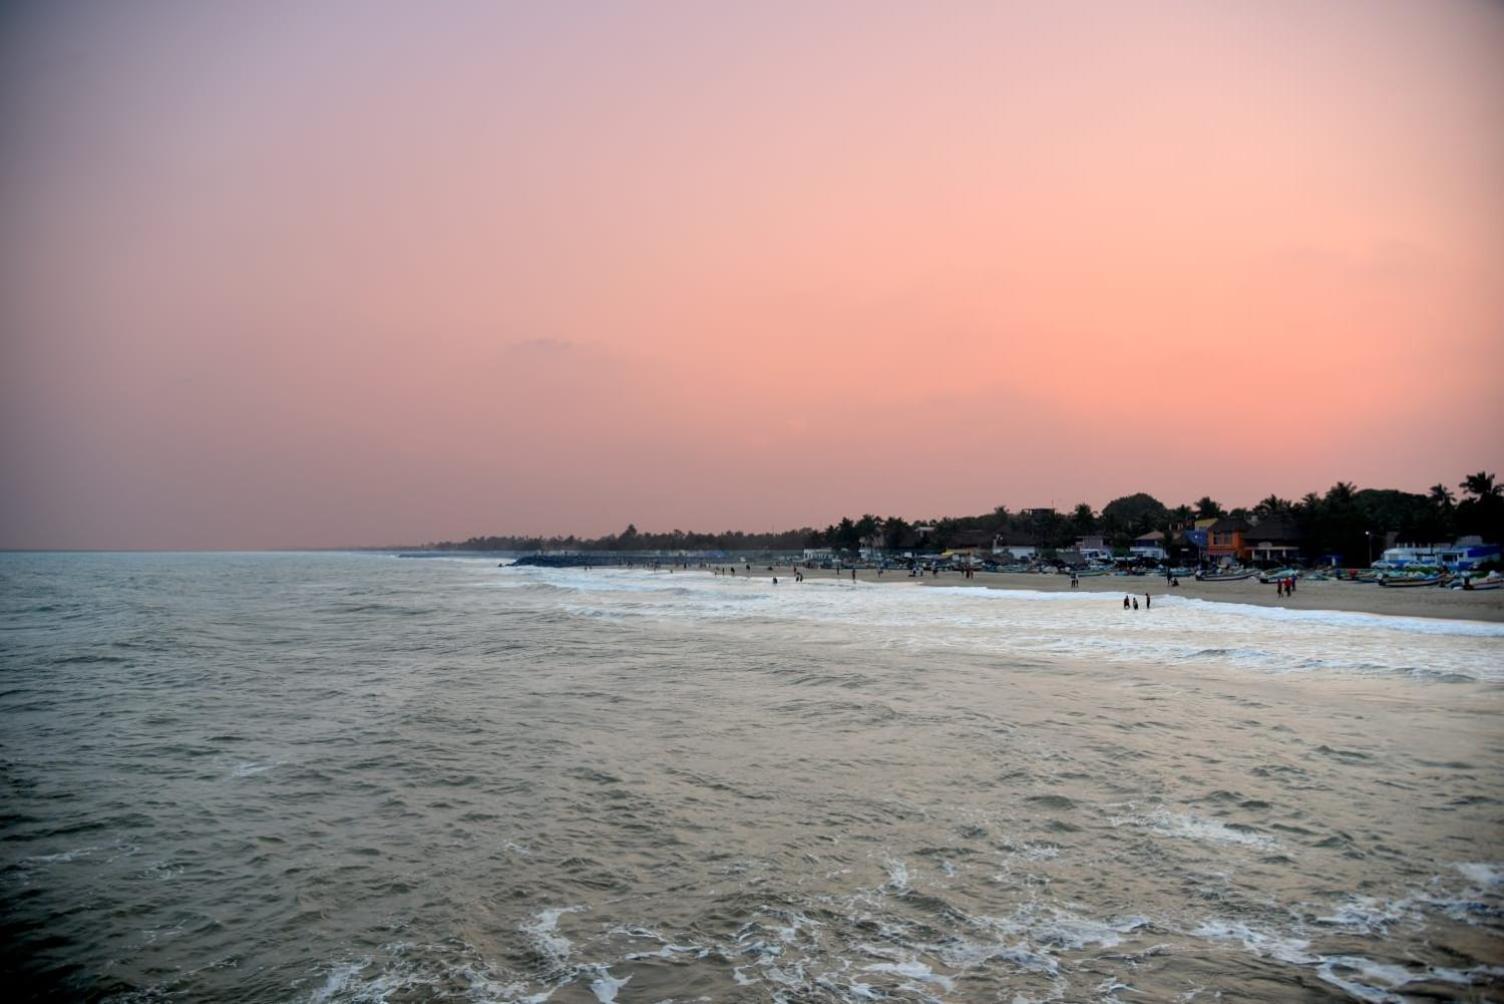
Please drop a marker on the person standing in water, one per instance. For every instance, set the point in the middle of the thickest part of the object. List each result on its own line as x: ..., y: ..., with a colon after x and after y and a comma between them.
x: 1125, y: 601
x: 1147, y: 601
x: 1135, y: 603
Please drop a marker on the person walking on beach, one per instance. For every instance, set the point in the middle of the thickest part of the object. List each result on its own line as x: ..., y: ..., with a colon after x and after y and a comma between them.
x: 853, y: 575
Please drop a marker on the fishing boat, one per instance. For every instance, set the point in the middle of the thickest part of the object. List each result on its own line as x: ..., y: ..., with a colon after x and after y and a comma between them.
x: 1493, y: 581
x: 1277, y: 574
x: 1226, y: 576
x: 1399, y: 581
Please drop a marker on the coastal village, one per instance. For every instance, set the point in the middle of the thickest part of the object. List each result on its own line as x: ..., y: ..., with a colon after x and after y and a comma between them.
x: 1224, y: 546
x: 1385, y: 536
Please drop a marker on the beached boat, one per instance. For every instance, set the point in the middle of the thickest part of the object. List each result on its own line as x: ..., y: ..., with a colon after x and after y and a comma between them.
x: 1493, y: 581
x: 1279, y: 573
x: 1398, y: 581
x: 1226, y: 576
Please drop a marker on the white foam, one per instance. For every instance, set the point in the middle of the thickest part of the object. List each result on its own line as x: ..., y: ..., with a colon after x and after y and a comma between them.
x: 1055, y: 929
x: 1272, y: 946
x: 605, y: 986
x: 1344, y: 618
x: 1076, y: 625
x: 544, y: 935
x: 1189, y: 827
x: 1486, y: 874
x: 62, y: 856
x: 1368, y: 914
x: 913, y: 970
x: 338, y: 980
x: 1372, y: 981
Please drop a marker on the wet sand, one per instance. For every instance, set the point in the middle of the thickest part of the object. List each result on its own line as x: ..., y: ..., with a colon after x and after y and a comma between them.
x: 1330, y: 595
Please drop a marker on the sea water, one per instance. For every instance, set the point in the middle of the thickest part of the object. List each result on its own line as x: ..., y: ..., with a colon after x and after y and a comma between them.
x: 333, y: 777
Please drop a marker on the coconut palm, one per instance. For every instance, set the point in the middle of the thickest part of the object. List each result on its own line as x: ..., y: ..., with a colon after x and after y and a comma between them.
x: 1442, y: 496
x: 1272, y: 506
x: 1341, y: 493
x: 1481, y: 486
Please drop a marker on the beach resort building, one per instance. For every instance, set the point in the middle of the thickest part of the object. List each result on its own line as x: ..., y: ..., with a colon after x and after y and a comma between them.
x: 1274, y: 539
x: 1224, y: 540
x: 1150, y: 545
x: 1463, y: 556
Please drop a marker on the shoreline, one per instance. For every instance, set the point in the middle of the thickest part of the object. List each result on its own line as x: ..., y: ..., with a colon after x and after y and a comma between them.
x: 1341, y: 597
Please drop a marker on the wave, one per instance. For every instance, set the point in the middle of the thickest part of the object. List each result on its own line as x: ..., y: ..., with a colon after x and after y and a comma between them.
x: 1058, y: 624
x: 1343, y: 618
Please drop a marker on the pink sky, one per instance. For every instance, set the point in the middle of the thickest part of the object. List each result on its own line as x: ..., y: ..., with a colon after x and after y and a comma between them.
x: 282, y: 274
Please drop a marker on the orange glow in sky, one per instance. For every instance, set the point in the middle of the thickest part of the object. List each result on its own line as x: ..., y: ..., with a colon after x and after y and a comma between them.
x: 282, y: 274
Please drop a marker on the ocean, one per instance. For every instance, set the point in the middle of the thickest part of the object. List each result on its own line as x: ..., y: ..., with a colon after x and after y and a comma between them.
x: 353, y: 777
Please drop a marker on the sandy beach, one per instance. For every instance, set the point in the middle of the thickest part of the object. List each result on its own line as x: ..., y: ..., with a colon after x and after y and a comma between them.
x: 1349, y: 596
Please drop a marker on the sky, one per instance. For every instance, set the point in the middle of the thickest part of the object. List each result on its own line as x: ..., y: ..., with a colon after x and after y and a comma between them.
x: 281, y: 274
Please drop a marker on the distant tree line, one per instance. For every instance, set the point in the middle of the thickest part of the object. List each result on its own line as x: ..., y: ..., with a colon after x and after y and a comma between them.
x: 632, y: 539
x: 1345, y: 521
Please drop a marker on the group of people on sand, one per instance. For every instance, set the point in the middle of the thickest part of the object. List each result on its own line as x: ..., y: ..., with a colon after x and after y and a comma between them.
x: 1132, y: 601
x: 1285, y: 586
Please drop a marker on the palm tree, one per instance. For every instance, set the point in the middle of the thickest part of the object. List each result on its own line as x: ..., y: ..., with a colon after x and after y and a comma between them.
x: 1481, y: 486
x: 1341, y: 492
x: 1442, y: 496
x: 1271, y: 506
x: 1208, y: 509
